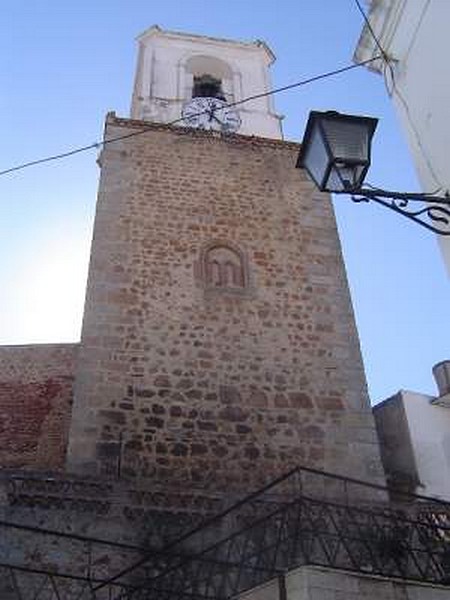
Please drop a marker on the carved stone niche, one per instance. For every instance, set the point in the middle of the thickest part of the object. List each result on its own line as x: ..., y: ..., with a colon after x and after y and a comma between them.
x: 222, y: 266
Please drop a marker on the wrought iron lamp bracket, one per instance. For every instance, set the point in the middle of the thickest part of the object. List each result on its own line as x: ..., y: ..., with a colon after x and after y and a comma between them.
x: 435, y: 215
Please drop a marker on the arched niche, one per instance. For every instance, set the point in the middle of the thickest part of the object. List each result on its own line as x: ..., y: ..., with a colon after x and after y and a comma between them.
x: 223, y: 266
x: 202, y: 69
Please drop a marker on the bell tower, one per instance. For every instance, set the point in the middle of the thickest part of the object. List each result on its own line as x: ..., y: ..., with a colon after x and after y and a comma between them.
x: 219, y: 347
x: 174, y: 68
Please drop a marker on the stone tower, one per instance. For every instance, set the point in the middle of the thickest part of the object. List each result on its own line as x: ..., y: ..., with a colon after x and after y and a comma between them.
x: 219, y: 346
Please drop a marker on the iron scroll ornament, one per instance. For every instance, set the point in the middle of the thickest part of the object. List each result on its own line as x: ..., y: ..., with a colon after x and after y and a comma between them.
x: 434, y: 216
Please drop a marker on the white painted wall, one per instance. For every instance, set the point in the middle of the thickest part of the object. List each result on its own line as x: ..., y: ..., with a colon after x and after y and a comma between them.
x: 414, y: 34
x: 320, y: 583
x: 163, y: 82
x: 429, y: 427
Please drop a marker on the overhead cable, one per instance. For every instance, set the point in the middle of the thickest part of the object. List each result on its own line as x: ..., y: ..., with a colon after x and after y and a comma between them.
x: 101, y: 144
x: 395, y: 90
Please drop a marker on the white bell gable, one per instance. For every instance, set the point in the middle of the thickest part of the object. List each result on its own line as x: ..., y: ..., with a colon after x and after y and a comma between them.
x: 169, y: 61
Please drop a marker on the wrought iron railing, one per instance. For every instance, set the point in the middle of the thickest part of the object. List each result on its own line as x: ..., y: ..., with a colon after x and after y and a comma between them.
x: 306, y: 517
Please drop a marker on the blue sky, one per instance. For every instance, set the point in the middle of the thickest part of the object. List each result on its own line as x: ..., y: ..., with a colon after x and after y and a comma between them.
x: 67, y: 63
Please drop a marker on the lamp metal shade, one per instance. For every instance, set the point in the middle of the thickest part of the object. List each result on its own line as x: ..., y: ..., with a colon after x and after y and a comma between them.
x: 336, y: 150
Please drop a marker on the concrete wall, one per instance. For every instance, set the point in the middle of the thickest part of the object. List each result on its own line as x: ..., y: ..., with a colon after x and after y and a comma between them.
x: 414, y: 36
x: 179, y: 380
x: 429, y: 427
x: 35, y: 404
x: 396, y: 447
x: 414, y: 438
x: 316, y: 583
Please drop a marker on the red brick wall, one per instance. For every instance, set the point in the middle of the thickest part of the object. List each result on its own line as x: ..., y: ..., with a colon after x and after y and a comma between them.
x: 179, y: 381
x: 35, y: 404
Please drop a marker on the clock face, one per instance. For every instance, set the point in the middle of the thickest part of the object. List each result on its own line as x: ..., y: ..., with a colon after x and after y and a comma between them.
x: 210, y: 113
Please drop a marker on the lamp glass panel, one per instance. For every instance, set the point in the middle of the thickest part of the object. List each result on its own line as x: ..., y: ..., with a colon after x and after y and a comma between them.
x: 348, y: 140
x: 343, y: 177
x: 316, y: 157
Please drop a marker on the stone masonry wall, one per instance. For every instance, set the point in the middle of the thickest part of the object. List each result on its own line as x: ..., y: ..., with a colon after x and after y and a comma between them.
x: 219, y: 344
x: 397, y: 453
x: 80, y: 528
x: 35, y: 404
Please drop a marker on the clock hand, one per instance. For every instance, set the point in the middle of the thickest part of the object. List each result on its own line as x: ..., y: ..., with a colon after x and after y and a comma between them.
x: 212, y: 112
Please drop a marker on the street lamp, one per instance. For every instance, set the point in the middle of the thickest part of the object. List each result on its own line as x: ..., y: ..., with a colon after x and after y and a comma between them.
x: 336, y: 153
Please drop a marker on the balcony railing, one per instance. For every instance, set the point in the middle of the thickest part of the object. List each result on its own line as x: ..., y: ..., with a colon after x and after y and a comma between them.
x: 306, y: 517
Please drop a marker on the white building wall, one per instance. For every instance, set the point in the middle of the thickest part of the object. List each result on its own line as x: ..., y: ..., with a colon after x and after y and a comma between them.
x: 414, y: 35
x: 318, y: 583
x: 429, y: 428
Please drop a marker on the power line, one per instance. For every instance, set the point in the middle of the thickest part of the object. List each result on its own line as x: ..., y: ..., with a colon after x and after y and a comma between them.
x: 395, y: 90
x: 103, y: 143
x: 372, y: 32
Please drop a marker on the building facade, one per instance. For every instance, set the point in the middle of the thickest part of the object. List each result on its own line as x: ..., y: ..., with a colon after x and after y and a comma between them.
x: 413, y: 38
x: 219, y: 356
x: 414, y: 435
